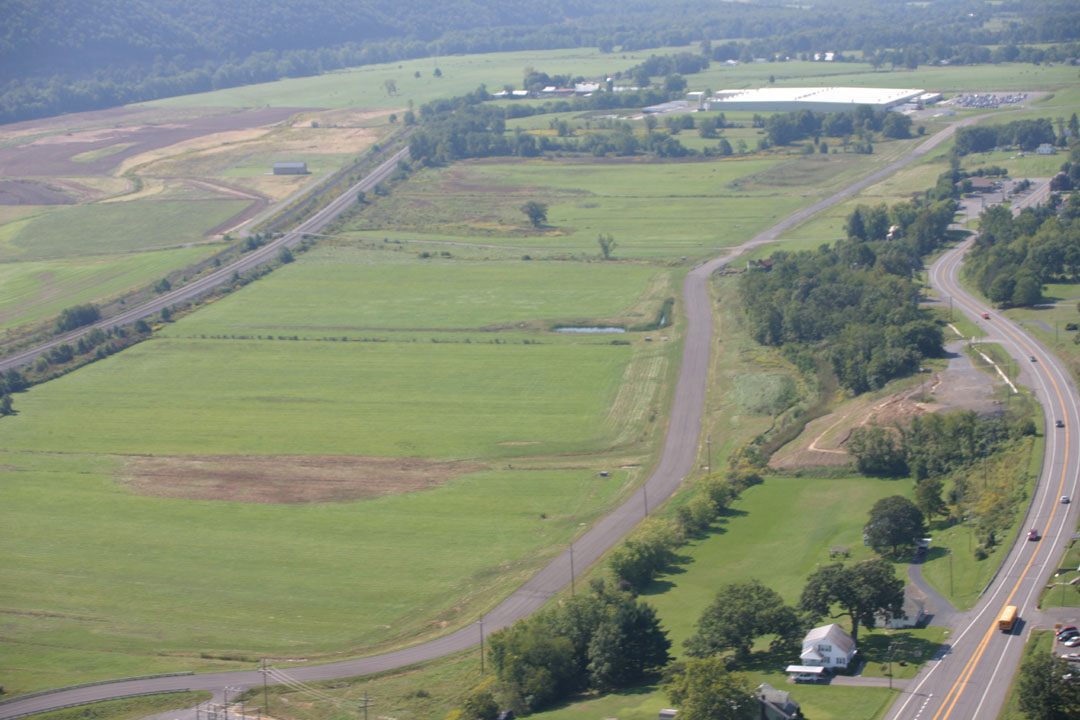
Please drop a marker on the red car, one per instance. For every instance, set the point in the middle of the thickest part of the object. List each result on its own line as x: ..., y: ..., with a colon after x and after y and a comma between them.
x: 986, y: 316
x: 1033, y: 534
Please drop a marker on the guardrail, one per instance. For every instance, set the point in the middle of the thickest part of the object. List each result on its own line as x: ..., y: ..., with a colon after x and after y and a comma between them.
x: 18, y: 698
x: 91, y: 702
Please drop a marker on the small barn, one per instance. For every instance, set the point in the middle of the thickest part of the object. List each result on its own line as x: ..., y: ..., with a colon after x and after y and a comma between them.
x: 290, y: 168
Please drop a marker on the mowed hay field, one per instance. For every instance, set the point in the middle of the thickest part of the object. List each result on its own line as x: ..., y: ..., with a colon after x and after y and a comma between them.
x: 103, y: 581
x: 652, y: 210
x: 38, y: 291
x: 324, y: 496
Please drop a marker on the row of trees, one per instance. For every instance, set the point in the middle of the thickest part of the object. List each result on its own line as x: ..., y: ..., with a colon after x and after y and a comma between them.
x: 1014, y: 256
x: 1025, y: 134
x: 932, y: 445
x: 785, y: 128
x: 603, y: 640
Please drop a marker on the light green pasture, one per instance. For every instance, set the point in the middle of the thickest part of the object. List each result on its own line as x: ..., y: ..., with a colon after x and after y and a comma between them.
x: 307, y: 397
x: 35, y: 291
x: 651, y: 209
x: 134, y: 584
x: 340, y: 290
x: 365, y: 86
x: 113, y: 228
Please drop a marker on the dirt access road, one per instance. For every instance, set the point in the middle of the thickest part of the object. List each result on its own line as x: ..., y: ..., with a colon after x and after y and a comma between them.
x: 680, y: 451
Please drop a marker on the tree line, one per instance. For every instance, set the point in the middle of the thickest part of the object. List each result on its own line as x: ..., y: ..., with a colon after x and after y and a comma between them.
x: 1025, y: 134
x: 1014, y: 257
x: 68, y: 56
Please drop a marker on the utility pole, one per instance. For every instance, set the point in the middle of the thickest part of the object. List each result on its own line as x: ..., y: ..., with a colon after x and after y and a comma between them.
x: 645, y: 496
x: 708, y: 444
x: 950, y: 572
x: 365, y: 703
x: 481, y: 623
x: 266, y: 703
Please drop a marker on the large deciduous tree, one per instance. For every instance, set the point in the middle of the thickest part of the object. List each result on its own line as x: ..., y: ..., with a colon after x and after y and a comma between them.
x: 740, y: 613
x: 536, y: 212
x: 703, y: 689
x: 860, y: 592
x: 894, y: 521
x: 1048, y: 688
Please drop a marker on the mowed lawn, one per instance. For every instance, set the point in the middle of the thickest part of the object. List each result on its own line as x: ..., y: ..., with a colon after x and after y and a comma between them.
x: 35, y: 291
x: 442, y: 400
x: 650, y: 209
x: 342, y: 289
x: 777, y: 532
x: 85, y: 230
x: 100, y: 582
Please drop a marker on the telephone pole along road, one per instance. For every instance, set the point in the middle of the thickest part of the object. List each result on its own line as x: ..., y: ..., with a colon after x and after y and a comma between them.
x: 679, y: 453
x: 222, y: 275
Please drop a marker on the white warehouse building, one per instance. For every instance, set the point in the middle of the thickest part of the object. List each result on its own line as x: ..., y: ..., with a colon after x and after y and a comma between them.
x: 817, y: 99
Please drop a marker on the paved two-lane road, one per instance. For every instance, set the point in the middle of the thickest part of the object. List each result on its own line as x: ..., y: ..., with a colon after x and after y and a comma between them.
x: 972, y: 679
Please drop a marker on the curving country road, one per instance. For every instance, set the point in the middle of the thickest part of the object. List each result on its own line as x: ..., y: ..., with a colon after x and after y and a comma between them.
x: 680, y: 450
x: 971, y: 678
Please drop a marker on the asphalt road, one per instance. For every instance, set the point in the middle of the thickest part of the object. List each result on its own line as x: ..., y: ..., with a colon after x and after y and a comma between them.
x: 681, y: 448
x: 224, y: 274
x: 971, y: 679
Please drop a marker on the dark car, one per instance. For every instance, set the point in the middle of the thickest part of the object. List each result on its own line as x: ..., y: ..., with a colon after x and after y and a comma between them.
x: 1059, y: 423
x: 1067, y: 630
x: 1034, y: 359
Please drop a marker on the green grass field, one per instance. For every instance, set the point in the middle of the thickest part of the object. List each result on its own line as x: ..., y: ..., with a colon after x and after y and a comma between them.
x: 651, y: 209
x: 35, y: 291
x: 110, y: 229
x: 344, y: 290
x: 365, y: 86
x: 187, y: 396
x: 137, y: 583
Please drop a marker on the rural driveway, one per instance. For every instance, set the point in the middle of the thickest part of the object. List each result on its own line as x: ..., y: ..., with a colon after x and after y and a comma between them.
x: 679, y: 453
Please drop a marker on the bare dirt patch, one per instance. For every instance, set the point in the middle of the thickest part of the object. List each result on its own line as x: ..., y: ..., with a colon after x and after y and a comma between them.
x: 285, y: 479
x: 959, y: 386
x: 53, y: 151
x: 23, y: 192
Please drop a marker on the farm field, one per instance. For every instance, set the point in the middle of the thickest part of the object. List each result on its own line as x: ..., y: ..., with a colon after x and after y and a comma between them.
x: 370, y: 452
x: 121, y: 185
x: 652, y: 210
x: 89, y: 230
x: 445, y: 400
x: 131, y: 587
x: 37, y: 291
x: 343, y: 289
x: 365, y: 86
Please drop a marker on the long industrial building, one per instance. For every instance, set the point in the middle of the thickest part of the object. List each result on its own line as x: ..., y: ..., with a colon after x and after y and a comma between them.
x: 818, y: 99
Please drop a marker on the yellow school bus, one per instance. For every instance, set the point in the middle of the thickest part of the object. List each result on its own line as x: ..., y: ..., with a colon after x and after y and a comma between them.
x: 1007, y: 619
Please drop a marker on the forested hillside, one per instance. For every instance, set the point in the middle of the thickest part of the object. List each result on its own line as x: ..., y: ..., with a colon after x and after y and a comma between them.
x: 69, y: 55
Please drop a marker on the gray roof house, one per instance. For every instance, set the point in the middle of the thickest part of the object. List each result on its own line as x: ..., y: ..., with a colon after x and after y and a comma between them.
x: 776, y: 704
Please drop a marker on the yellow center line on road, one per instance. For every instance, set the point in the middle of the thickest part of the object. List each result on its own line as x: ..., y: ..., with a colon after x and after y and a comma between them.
x: 969, y: 668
